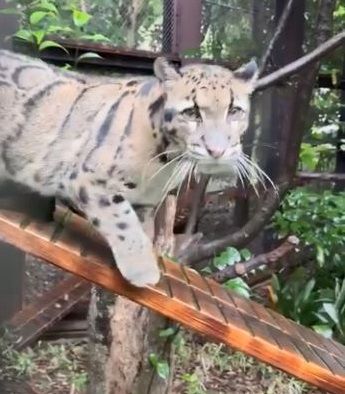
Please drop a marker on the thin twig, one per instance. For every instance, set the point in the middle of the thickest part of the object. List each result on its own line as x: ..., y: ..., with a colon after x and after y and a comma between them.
x: 280, y: 28
x: 242, y: 268
x: 304, y: 61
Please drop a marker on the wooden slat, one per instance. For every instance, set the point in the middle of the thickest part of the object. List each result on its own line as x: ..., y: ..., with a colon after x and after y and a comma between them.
x: 201, y: 305
x: 28, y: 324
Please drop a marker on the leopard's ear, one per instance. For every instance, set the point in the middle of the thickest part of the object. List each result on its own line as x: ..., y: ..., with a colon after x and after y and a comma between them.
x: 164, y: 71
x: 248, y: 72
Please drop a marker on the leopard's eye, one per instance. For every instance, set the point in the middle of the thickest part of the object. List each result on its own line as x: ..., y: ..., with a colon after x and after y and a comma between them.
x: 236, y: 113
x: 192, y: 112
x: 235, y: 110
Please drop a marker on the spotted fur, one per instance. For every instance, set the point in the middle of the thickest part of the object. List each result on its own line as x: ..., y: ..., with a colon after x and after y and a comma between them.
x: 110, y: 144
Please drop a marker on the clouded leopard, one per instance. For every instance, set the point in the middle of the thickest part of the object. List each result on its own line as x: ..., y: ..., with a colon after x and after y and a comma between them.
x: 110, y: 144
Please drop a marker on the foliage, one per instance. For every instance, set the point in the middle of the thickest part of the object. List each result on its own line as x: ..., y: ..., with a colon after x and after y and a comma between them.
x: 160, y: 366
x: 315, y: 298
x: 99, y: 21
x: 41, y: 19
x: 310, y: 303
x: 214, y: 368
x: 228, y: 257
x: 45, y: 364
x: 318, y: 219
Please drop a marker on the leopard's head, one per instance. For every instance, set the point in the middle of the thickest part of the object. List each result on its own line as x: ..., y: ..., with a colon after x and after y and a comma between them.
x: 206, y: 113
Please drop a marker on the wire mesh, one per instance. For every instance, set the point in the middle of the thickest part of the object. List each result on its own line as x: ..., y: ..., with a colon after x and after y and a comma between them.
x: 132, y: 24
x: 226, y: 29
x: 169, y: 26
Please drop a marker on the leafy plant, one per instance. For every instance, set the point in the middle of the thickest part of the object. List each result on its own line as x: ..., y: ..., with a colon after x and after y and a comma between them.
x: 312, y: 305
x: 160, y: 366
x: 315, y: 297
x: 194, y: 384
x: 228, y: 257
x: 41, y: 20
x: 318, y: 219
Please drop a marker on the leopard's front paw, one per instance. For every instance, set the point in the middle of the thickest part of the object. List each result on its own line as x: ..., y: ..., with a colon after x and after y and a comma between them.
x: 141, y: 269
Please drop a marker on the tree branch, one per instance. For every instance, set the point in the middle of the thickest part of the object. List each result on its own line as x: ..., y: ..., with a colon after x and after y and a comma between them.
x: 280, y: 28
x: 198, y: 198
x: 248, y: 232
x: 242, y: 268
x: 304, y: 61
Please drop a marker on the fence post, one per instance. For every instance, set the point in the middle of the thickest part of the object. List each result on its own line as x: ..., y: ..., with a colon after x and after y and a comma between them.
x: 181, y: 25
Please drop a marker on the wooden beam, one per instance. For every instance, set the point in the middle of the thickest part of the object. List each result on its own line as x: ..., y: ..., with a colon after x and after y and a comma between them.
x: 190, y: 299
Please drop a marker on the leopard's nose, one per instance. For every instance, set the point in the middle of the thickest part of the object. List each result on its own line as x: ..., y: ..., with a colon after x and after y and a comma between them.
x: 215, y: 152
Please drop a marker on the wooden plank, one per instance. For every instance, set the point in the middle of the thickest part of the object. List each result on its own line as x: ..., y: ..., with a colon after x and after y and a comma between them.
x: 237, y: 327
x: 28, y: 324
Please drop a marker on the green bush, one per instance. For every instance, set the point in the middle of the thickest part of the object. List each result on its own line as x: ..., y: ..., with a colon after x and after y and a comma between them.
x: 315, y: 297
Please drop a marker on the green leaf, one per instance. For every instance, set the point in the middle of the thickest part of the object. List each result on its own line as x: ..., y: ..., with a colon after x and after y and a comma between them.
x: 37, y: 16
x: 89, y: 55
x: 80, y: 18
x: 25, y: 35
x: 339, y: 12
x: 230, y: 256
x: 51, y: 44
x: 323, y: 329
x: 153, y: 358
x: 167, y: 332
x: 331, y: 312
x: 246, y: 254
x: 59, y: 29
x: 46, y: 5
x: 163, y: 369
x: 39, y: 35
x: 238, y: 286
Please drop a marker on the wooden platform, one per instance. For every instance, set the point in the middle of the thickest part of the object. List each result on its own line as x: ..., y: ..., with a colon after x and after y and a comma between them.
x: 186, y: 297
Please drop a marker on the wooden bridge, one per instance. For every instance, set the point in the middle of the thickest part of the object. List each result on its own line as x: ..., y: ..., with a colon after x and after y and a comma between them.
x: 187, y: 297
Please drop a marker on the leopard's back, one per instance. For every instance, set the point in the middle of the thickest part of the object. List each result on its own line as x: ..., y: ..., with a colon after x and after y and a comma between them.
x: 50, y: 119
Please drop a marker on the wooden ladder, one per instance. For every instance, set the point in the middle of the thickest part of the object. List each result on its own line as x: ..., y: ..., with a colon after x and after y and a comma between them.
x: 187, y: 297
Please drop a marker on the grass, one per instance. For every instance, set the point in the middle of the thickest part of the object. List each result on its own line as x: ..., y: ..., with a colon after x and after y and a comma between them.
x: 49, y: 367
x: 205, y: 368
x: 200, y: 368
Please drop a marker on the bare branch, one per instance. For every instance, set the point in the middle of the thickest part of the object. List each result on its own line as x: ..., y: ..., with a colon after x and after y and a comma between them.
x: 304, y: 61
x: 242, y: 268
x: 198, y: 198
x: 280, y: 28
x: 165, y: 240
x: 248, y: 232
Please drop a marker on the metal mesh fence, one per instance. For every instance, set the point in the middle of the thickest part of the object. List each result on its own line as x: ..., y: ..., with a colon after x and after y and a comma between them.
x: 129, y: 23
x: 169, y: 26
x: 226, y: 29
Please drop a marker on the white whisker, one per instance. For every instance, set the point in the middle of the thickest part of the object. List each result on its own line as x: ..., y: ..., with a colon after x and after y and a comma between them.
x: 160, y: 168
x: 248, y: 173
x: 166, y: 165
x: 260, y: 171
x: 169, y: 184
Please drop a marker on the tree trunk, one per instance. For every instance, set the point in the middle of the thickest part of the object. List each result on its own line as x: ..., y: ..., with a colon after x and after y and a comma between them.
x: 124, y: 334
